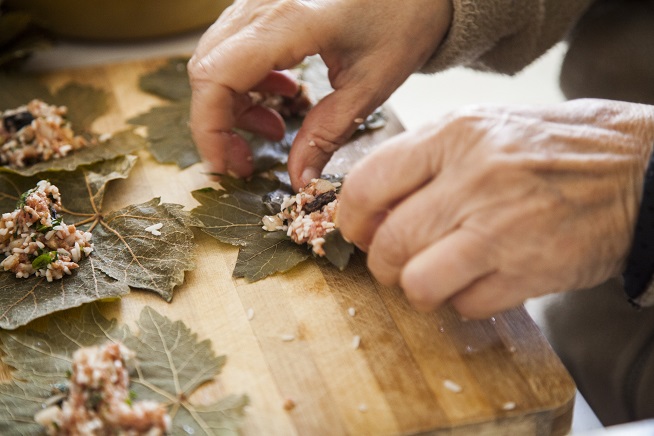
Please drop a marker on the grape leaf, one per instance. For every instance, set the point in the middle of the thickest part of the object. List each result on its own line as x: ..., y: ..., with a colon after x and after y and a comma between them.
x: 233, y: 216
x: 125, y: 254
x: 128, y: 253
x: 85, y: 104
x: 169, y: 137
x: 169, y: 82
x: 170, y: 365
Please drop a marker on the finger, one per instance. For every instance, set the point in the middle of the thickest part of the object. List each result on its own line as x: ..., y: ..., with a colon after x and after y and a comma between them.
x: 360, y: 88
x: 263, y: 121
x: 233, y: 68
x: 445, y: 268
x: 327, y: 126
x: 279, y: 82
x: 373, y: 186
x: 489, y: 296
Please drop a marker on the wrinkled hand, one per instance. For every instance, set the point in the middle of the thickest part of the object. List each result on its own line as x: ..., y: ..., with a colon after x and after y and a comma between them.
x: 370, y: 48
x: 498, y: 204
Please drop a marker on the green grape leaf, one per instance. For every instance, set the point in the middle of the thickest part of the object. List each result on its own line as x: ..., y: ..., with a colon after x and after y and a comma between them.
x: 130, y: 254
x: 169, y: 137
x: 169, y: 82
x: 170, y: 365
x: 125, y: 254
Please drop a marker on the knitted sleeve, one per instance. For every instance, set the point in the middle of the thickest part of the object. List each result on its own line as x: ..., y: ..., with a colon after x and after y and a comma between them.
x: 504, y: 35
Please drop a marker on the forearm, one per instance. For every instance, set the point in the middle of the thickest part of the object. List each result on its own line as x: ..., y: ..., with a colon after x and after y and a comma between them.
x: 504, y: 35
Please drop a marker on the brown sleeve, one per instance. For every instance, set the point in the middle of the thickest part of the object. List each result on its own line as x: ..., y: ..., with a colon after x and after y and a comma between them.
x: 504, y: 35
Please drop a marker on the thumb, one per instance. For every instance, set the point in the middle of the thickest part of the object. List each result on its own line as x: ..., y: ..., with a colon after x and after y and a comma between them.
x: 328, y: 126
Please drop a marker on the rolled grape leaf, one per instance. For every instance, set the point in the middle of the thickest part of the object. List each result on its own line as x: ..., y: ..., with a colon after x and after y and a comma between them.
x: 337, y: 250
x: 85, y: 104
x: 170, y: 365
x: 233, y: 216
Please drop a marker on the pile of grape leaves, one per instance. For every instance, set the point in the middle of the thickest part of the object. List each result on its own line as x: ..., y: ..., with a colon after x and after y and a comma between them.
x: 170, y: 365
x: 125, y: 255
x: 233, y: 215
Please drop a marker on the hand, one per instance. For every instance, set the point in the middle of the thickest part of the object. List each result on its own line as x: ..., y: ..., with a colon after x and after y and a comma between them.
x: 498, y: 204
x: 370, y: 48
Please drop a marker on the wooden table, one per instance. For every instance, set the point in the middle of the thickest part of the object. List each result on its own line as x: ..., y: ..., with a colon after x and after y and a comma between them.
x: 399, y: 381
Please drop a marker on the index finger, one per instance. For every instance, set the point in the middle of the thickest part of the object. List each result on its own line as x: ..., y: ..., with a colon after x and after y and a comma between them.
x: 230, y: 69
x: 400, y: 166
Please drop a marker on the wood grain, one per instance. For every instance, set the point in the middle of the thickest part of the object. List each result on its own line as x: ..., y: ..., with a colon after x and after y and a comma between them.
x: 393, y: 383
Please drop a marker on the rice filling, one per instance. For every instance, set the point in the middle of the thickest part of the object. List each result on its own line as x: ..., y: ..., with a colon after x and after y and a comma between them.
x: 307, y: 216
x: 36, y: 241
x: 36, y: 132
x: 98, y: 401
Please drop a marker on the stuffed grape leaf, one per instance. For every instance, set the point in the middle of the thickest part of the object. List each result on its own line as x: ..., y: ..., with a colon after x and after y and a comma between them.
x: 85, y: 104
x: 125, y: 254
x: 170, y: 365
x: 233, y: 216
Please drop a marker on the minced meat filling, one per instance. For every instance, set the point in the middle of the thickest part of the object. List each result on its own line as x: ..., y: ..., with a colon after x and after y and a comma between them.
x: 36, y: 241
x: 36, y: 132
x: 99, y: 401
x: 307, y: 216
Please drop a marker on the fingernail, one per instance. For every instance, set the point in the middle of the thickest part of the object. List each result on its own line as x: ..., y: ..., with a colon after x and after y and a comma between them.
x: 308, y: 174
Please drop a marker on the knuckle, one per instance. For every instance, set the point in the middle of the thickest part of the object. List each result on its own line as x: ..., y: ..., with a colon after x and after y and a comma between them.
x: 198, y: 71
x: 388, y: 253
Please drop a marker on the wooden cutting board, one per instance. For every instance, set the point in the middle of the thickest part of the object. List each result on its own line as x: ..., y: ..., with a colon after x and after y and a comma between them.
x: 396, y: 382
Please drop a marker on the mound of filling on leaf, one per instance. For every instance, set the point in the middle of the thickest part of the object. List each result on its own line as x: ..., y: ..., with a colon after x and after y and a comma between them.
x: 98, y: 401
x: 36, y: 241
x: 36, y: 132
x: 307, y: 216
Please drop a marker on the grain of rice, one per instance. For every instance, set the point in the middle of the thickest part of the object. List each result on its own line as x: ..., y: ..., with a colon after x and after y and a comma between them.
x: 351, y: 311
x: 356, y: 342
x: 359, y: 120
x: 250, y: 314
x: 156, y: 226
x: 452, y: 386
x: 287, y: 337
x: 363, y: 408
x: 312, y: 143
x: 509, y: 405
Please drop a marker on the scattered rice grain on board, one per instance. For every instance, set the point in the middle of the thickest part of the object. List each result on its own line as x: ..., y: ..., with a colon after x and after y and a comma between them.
x: 288, y: 338
x: 356, y: 342
x: 250, y: 314
x: 452, y: 386
x: 351, y: 311
x: 509, y: 405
